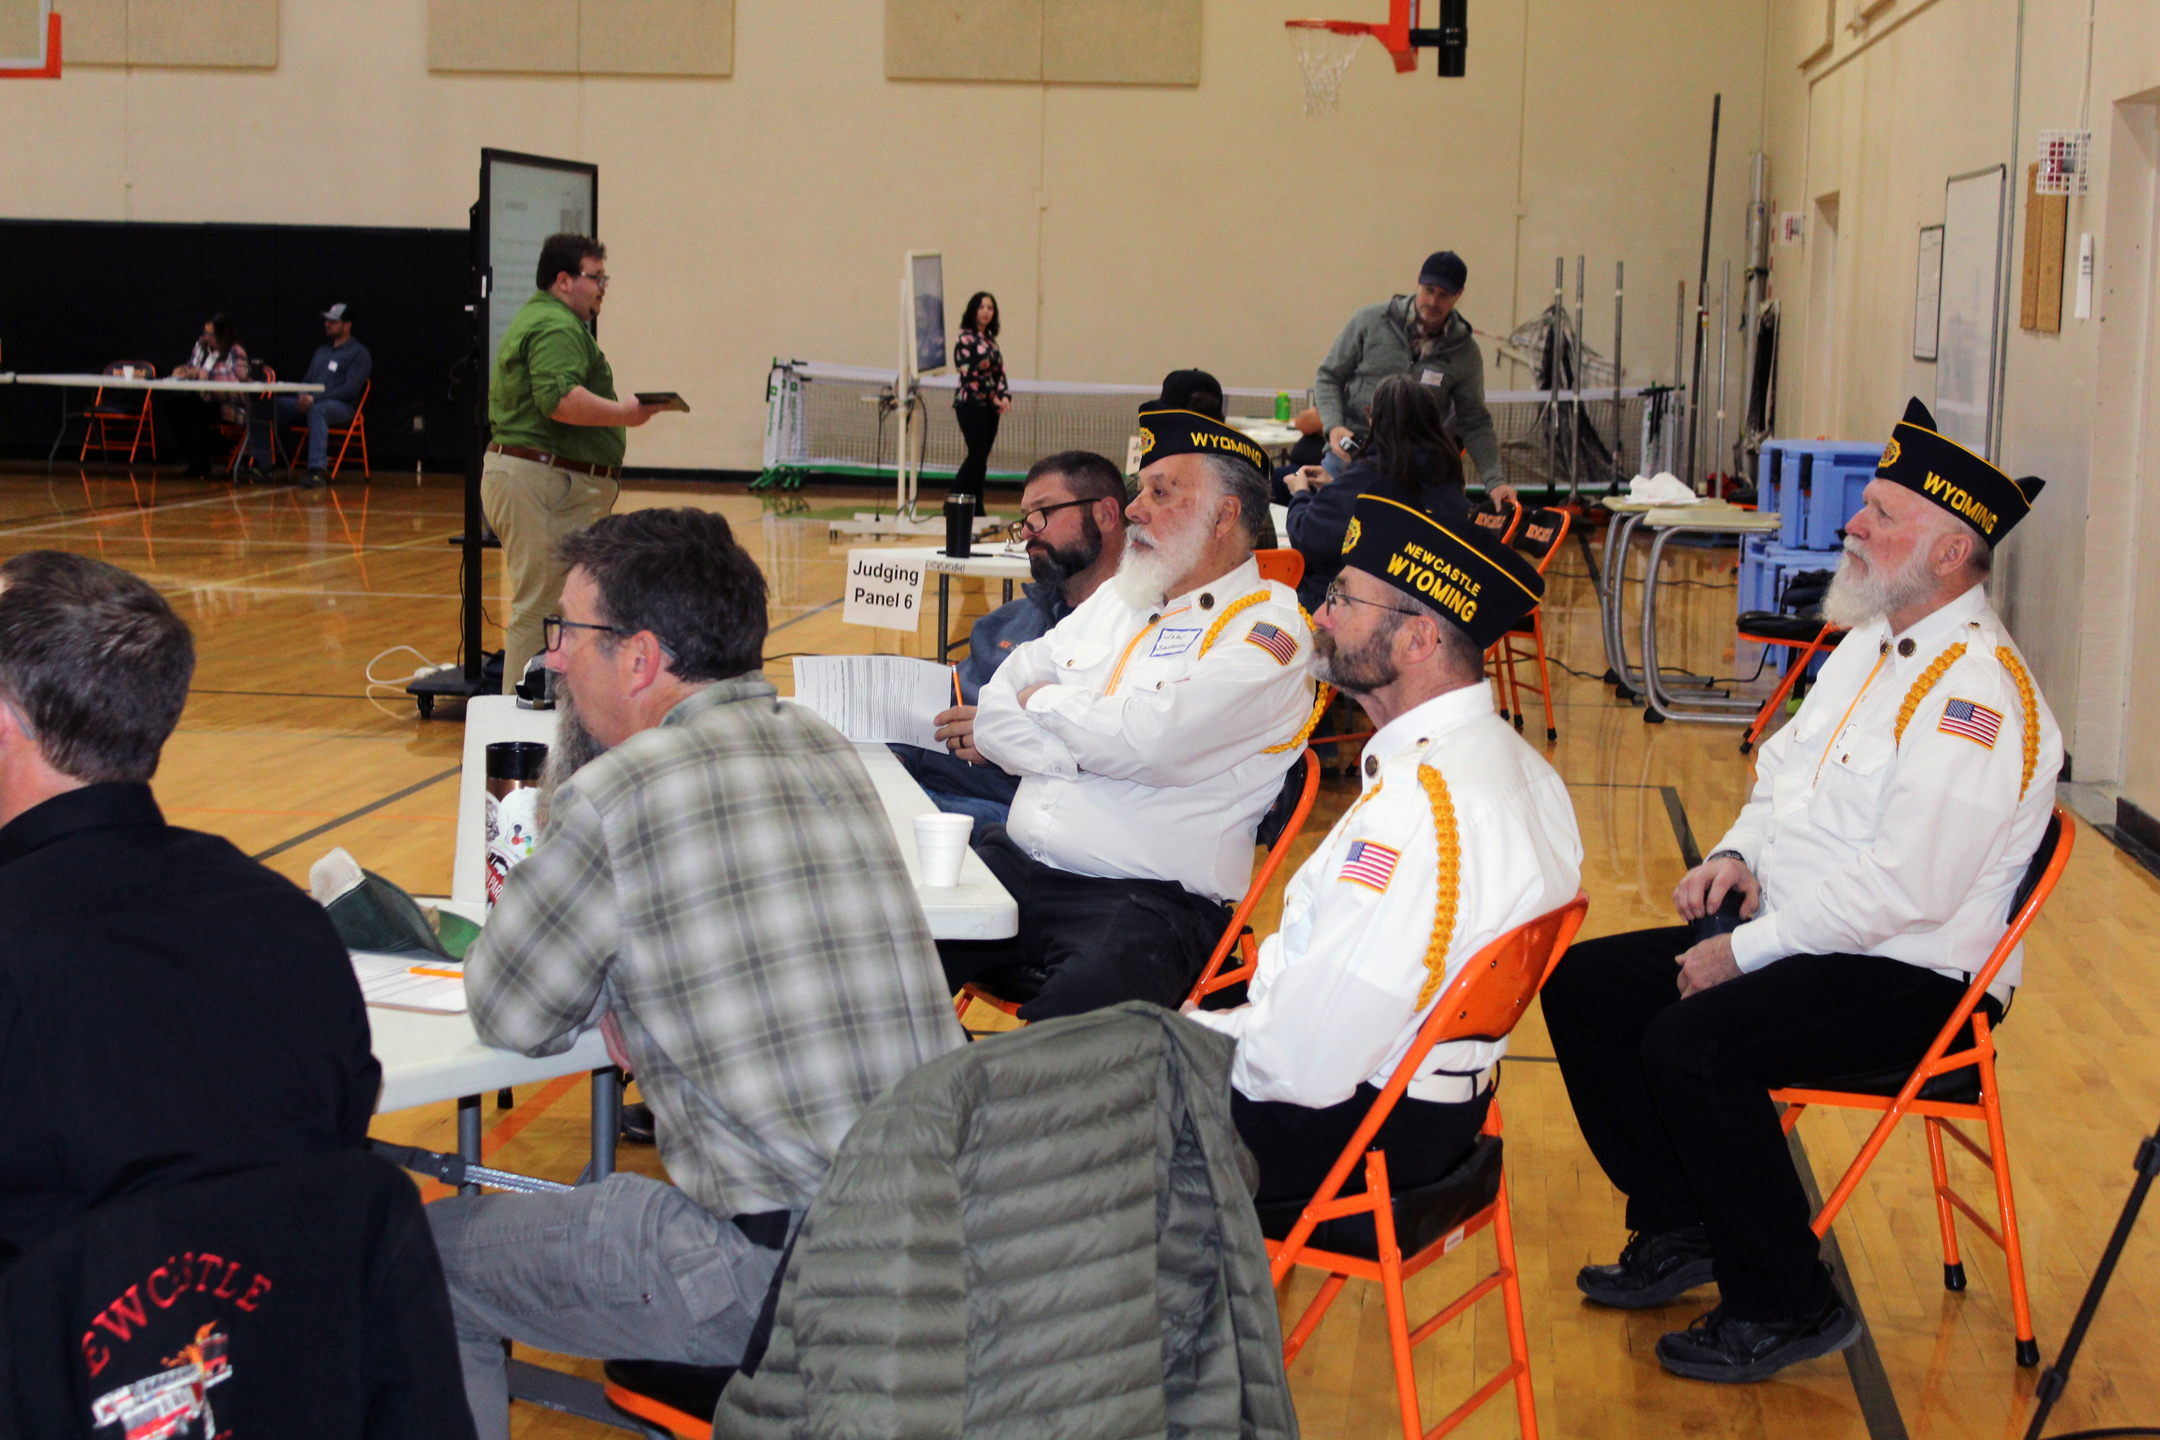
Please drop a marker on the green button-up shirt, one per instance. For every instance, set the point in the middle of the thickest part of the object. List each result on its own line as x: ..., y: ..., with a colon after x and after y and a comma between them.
x: 547, y: 353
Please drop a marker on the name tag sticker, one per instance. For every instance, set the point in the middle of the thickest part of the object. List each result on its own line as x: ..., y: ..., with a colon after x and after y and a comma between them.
x: 1433, y: 377
x: 1173, y: 642
x: 333, y: 367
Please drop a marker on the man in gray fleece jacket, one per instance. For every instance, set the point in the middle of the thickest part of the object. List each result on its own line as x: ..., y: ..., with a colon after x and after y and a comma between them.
x: 1419, y: 335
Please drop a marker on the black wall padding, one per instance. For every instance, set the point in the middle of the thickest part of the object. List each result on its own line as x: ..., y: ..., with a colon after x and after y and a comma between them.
x: 86, y: 293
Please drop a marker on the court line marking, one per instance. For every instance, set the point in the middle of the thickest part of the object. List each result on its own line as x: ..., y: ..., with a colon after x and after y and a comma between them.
x: 351, y: 815
x: 117, y: 512
x: 1863, y: 1362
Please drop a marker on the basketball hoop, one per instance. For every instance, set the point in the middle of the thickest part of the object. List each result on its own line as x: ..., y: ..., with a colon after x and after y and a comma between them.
x: 1325, y: 49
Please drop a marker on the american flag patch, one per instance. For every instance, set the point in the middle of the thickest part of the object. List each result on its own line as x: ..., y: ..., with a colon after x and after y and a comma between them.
x: 1976, y: 723
x: 1369, y: 865
x: 1272, y: 639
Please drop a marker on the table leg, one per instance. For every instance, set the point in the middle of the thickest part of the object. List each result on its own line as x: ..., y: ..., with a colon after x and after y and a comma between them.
x: 1705, y: 701
x: 1008, y: 590
x: 607, y: 1086
x: 468, y: 1136
x: 54, y: 452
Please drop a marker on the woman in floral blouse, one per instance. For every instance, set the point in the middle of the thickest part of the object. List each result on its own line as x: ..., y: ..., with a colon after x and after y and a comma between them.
x: 983, y: 395
x: 218, y: 355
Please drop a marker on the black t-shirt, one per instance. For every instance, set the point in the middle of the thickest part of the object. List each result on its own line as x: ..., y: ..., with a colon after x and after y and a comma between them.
x: 169, y: 1010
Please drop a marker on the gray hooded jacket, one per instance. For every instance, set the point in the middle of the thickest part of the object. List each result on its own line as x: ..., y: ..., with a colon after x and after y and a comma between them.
x: 1378, y: 343
x: 1045, y: 1236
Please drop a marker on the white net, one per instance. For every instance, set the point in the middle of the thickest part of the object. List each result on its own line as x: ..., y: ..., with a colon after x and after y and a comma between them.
x: 1324, y: 54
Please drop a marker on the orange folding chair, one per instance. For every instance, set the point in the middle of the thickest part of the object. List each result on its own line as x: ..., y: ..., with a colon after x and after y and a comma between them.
x: 1543, y: 533
x: 1286, y: 566
x: 1299, y: 788
x: 1498, y: 519
x: 120, y: 417
x: 239, y: 432
x: 1944, y: 1087
x: 1364, y: 1236
x: 1765, y: 627
x: 356, y: 427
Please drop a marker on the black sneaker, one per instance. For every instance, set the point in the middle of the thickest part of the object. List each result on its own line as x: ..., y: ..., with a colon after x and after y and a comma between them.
x: 1718, y: 1348
x: 637, y: 1123
x: 1653, y: 1270
x: 312, y: 479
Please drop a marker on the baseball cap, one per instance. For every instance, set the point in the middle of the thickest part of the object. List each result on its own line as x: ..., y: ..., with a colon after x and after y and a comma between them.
x: 1445, y: 269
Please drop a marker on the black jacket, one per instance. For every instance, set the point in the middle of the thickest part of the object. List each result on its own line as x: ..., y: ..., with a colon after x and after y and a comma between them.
x: 1320, y: 518
x: 301, y: 1300
x: 169, y: 1010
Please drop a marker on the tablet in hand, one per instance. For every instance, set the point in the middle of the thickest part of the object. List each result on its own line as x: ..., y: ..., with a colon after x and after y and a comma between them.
x: 665, y: 399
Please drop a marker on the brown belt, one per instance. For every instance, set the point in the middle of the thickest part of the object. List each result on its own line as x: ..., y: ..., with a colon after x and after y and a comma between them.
x: 541, y: 457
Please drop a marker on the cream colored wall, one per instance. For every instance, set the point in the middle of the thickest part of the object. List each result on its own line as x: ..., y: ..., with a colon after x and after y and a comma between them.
x: 1127, y: 229
x: 1921, y: 91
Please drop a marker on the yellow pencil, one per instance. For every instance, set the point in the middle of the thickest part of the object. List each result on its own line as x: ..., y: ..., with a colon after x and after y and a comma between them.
x: 438, y: 974
x: 956, y: 686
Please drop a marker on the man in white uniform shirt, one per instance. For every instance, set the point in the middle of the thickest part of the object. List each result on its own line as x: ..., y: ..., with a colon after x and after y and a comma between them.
x: 1889, y: 826
x: 1460, y: 825
x: 1150, y: 730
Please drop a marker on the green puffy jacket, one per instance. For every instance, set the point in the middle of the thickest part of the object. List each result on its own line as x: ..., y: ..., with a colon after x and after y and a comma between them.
x: 1050, y: 1233
x: 1376, y: 344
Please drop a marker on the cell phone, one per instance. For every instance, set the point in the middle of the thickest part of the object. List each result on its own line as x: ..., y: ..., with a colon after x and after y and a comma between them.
x: 1351, y: 445
x: 665, y: 399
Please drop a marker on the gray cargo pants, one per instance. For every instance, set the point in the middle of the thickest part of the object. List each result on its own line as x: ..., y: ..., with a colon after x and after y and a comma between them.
x: 628, y: 1269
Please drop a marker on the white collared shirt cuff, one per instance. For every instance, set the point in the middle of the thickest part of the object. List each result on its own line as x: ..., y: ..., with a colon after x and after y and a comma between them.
x: 1757, y: 943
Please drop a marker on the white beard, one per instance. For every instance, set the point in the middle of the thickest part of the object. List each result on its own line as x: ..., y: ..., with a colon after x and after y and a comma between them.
x: 1154, y: 562
x: 1855, y: 599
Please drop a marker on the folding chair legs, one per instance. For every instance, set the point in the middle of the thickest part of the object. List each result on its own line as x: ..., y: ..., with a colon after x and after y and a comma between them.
x: 2028, y: 1348
x: 1544, y: 675
x: 1511, y: 1301
x: 1953, y: 1265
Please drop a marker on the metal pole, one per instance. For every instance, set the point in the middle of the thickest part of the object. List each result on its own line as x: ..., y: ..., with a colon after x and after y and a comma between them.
x: 1555, y: 340
x: 1683, y: 399
x: 1754, y: 281
x: 1575, y: 415
x: 1619, y: 406
x: 1724, y: 325
x: 1702, y: 286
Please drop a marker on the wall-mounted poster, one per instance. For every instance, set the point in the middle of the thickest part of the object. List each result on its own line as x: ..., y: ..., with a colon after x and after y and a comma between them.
x: 1927, y: 293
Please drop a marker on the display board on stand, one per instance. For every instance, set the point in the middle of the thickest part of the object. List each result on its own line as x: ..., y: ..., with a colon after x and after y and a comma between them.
x: 1969, y: 327
x: 523, y: 200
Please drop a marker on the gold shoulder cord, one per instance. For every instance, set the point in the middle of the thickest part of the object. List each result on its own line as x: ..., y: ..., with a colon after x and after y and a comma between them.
x: 2027, y: 700
x: 1320, y: 698
x: 1448, y: 881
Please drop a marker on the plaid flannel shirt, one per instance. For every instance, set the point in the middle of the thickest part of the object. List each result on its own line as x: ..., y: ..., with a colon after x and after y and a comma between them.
x: 728, y: 884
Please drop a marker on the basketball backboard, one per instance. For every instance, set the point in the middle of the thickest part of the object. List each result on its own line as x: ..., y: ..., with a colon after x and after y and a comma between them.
x: 1325, y: 48
x: 29, y: 40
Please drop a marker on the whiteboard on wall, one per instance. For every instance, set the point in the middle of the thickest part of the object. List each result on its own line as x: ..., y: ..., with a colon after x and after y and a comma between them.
x: 1927, y: 294
x: 1967, y: 332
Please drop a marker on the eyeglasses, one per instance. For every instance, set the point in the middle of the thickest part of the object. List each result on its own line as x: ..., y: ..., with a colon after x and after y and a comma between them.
x: 1336, y: 595
x: 1038, y: 520
x: 552, y: 627
x: 600, y: 278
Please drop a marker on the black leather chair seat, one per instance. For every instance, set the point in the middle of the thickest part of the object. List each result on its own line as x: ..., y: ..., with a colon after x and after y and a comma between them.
x: 1957, y: 1087
x: 692, y: 1389
x: 1770, y: 625
x: 1422, y: 1215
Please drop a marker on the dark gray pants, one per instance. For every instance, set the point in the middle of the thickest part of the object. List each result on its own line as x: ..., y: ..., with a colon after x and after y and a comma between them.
x: 628, y: 1269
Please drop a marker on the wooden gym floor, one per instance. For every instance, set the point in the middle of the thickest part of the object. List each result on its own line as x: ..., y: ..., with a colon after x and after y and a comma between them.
x: 288, y: 750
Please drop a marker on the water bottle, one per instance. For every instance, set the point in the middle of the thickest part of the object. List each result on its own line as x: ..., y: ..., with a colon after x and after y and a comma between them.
x: 1282, y: 407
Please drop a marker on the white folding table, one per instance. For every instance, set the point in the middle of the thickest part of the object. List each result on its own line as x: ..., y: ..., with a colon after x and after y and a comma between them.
x: 245, y: 390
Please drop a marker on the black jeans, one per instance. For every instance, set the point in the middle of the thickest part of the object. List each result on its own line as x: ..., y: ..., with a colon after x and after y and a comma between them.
x: 979, y: 427
x: 192, y: 422
x: 1674, y: 1095
x: 1297, y: 1145
x: 1100, y: 941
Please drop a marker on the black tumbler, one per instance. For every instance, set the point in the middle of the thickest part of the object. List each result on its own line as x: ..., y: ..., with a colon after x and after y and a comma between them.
x: 959, y: 526
x: 1724, y: 920
x: 512, y: 823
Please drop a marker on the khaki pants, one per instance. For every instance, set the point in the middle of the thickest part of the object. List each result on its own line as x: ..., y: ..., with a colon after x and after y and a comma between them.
x: 532, y: 506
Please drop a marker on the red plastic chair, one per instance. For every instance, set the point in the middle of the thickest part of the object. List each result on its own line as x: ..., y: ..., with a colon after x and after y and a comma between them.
x: 1944, y: 1087
x: 1543, y: 533
x: 122, y: 416
x: 357, y: 427
x: 1483, y: 1002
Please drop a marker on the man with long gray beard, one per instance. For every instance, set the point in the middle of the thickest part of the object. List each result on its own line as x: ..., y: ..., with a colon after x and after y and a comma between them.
x: 1072, y: 522
x: 1150, y: 731
x: 720, y: 890
x: 1889, y: 826
x: 1457, y: 818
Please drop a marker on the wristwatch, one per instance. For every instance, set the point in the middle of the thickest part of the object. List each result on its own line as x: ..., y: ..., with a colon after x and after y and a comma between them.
x: 1725, y: 855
